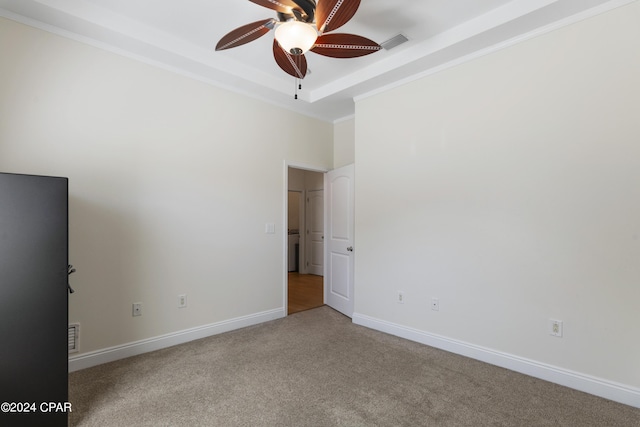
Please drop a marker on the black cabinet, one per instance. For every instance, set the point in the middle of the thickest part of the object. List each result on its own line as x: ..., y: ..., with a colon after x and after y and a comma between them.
x: 33, y: 300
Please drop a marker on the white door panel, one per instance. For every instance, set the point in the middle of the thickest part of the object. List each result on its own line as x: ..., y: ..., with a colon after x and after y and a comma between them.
x: 339, y: 284
x: 339, y: 208
x: 339, y: 185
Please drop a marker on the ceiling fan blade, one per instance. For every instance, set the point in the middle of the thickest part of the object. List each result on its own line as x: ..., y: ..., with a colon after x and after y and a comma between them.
x: 344, y: 46
x: 332, y: 14
x: 283, y: 6
x: 245, y: 34
x: 295, y: 65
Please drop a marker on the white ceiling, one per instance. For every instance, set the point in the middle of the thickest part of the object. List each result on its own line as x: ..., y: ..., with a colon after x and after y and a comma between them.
x: 181, y: 35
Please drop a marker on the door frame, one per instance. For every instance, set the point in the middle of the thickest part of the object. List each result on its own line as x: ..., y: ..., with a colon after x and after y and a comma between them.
x: 285, y: 218
x: 302, y: 223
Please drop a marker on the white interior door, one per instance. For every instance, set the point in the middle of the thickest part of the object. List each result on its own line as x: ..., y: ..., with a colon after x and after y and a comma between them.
x: 315, y: 232
x: 339, y: 237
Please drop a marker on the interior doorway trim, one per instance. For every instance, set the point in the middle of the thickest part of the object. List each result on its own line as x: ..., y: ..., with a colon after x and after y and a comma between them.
x: 285, y: 211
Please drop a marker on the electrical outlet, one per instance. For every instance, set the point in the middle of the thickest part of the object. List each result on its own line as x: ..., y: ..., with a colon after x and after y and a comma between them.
x: 435, y: 304
x: 400, y: 298
x: 555, y: 327
x: 182, y: 301
x: 137, y: 309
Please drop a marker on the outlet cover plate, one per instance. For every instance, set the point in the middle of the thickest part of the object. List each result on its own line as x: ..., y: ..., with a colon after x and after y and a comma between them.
x: 137, y: 309
x: 555, y: 328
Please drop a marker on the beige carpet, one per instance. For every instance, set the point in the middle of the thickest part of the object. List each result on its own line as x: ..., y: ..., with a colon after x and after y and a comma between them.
x: 316, y: 368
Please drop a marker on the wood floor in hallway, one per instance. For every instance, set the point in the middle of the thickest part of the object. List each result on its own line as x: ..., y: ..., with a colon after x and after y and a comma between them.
x: 305, y: 292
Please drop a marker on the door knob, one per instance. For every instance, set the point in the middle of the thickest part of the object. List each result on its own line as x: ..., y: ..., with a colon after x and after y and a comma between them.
x: 350, y: 248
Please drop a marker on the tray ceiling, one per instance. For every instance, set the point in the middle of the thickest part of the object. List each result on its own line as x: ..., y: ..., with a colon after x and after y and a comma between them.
x: 181, y: 36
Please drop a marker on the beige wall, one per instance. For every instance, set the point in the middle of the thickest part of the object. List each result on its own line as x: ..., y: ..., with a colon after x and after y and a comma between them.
x: 344, y: 142
x: 509, y: 188
x: 171, y: 183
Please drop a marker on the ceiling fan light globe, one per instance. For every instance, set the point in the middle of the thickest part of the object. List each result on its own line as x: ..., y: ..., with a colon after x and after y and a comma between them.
x: 296, y: 37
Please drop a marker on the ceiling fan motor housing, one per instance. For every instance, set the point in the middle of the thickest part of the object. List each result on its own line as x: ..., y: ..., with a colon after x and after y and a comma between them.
x: 309, y: 8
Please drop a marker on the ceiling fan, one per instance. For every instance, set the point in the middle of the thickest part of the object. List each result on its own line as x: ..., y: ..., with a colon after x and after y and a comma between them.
x: 302, y: 26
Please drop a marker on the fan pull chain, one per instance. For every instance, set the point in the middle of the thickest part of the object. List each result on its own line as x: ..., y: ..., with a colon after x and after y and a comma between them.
x: 298, y: 83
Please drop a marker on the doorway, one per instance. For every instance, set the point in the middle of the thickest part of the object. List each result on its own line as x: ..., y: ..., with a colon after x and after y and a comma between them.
x: 305, y: 239
x: 305, y: 291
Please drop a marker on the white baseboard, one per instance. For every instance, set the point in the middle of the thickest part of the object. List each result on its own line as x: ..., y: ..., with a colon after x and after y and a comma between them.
x: 609, y: 390
x: 94, y: 358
